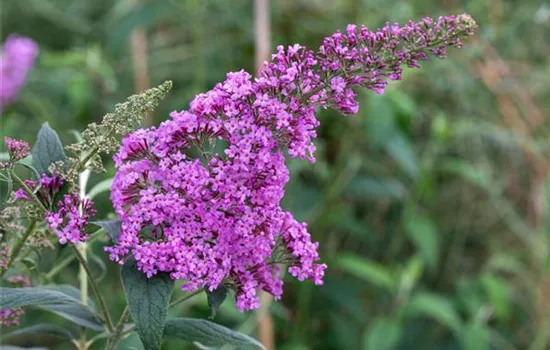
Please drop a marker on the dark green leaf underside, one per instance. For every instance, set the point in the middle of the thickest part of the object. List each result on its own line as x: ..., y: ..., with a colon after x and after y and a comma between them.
x: 148, y: 302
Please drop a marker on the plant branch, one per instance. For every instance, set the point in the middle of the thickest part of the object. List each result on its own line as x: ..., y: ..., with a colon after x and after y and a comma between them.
x: 118, y: 333
x: 95, y: 288
x: 28, y: 191
x: 19, y: 245
x: 59, y: 267
x: 185, y: 297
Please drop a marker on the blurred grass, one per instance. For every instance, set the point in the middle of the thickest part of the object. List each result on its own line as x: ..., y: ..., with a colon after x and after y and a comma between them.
x: 432, y: 205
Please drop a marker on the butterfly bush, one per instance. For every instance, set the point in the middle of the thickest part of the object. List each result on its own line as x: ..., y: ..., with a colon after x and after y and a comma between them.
x: 212, y: 217
x: 17, y: 58
x: 70, y: 220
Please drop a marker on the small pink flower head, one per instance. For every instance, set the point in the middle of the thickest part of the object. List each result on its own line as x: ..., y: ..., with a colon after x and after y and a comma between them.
x: 70, y: 221
x: 17, y: 149
x: 51, y: 183
x: 49, y: 187
x: 10, y: 317
x: 19, y: 280
x: 338, y: 84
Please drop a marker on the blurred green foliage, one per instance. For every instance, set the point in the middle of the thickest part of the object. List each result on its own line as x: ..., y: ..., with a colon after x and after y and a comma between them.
x: 432, y: 205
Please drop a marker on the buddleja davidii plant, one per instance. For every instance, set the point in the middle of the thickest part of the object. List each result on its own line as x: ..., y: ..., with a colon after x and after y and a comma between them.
x: 52, y: 200
x: 213, y: 218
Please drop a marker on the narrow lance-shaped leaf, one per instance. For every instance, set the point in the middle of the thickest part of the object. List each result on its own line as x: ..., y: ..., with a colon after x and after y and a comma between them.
x: 206, y: 332
x: 111, y: 226
x: 148, y: 302
x: 39, y: 329
x: 56, y: 301
x: 383, y: 333
x: 47, y: 149
x: 366, y: 269
x: 7, y: 195
x: 423, y: 233
x: 215, y: 298
x: 19, y: 297
x: 100, y: 187
x: 436, y: 307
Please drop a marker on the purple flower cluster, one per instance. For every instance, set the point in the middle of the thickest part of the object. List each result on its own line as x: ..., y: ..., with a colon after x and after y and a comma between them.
x: 10, y: 317
x: 17, y: 149
x: 49, y: 187
x: 367, y: 59
x: 70, y: 220
x: 211, y: 217
x: 17, y: 58
x: 19, y: 280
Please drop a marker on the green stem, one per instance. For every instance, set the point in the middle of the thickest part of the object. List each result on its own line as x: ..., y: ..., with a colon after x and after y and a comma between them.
x: 95, y: 288
x: 19, y: 245
x: 176, y: 302
x: 28, y: 191
x: 118, y: 333
x: 82, y: 163
x: 185, y: 297
x: 59, y: 267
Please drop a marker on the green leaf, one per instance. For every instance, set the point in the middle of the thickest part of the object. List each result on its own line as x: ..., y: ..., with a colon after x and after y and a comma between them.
x: 19, y: 297
x: 468, y: 172
x: 9, y: 190
x: 54, y: 301
x: 32, y: 169
x: 206, y: 333
x: 76, y: 314
x: 381, y: 122
x: 38, y: 329
x: 97, y: 261
x: 423, y: 233
x: 402, y: 151
x: 375, y: 188
x: 475, y: 337
x: 148, y: 301
x: 215, y: 298
x: 71, y: 291
x: 367, y: 270
x: 383, y: 334
x: 100, y: 187
x: 410, y: 275
x: 437, y: 307
x: 47, y: 149
x: 111, y: 226
x: 499, y: 294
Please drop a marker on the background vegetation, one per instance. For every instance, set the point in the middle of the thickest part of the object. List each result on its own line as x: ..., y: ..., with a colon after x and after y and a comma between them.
x: 432, y: 205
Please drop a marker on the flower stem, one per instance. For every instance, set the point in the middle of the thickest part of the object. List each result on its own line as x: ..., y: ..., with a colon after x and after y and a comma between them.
x: 82, y: 163
x: 118, y: 333
x: 95, y: 288
x: 28, y: 191
x: 63, y: 264
x: 186, y: 297
x: 19, y: 245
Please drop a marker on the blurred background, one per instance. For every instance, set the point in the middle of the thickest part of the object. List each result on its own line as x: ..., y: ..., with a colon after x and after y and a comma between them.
x: 432, y: 205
